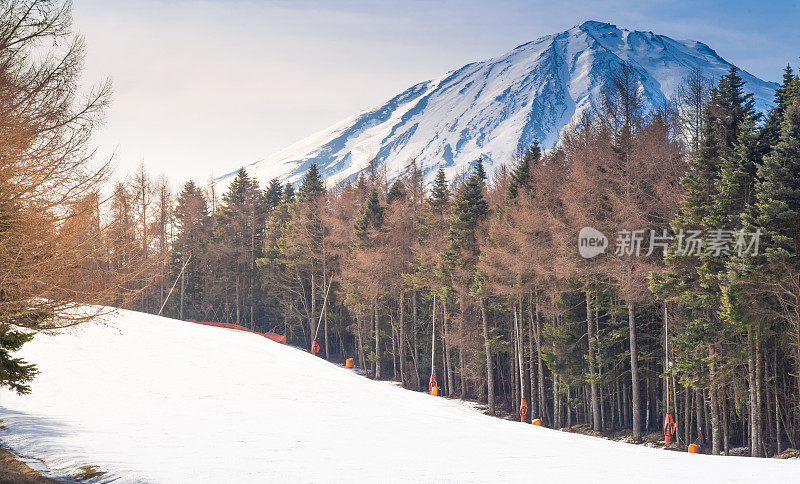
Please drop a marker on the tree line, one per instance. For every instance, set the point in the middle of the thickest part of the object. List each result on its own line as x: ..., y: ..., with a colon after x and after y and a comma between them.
x: 479, y: 280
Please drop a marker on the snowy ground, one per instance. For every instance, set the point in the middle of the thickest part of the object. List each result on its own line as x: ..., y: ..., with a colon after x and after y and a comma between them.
x: 150, y: 399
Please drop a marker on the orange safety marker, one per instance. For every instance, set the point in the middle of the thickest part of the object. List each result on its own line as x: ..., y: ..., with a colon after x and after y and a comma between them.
x: 669, y: 428
x: 694, y: 449
x: 537, y: 421
x: 315, y: 347
x: 523, y: 410
x: 349, y: 363
x: 433, y: 386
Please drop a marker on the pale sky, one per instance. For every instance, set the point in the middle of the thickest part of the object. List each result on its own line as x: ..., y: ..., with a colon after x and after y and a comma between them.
x: 204, y: 87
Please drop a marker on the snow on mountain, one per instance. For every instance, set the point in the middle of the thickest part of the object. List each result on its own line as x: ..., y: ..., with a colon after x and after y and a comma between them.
x: 150, y: 399
x: 491, y: 108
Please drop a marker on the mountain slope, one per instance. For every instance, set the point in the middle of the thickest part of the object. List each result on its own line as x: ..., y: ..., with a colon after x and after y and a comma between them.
x: 151, y: 399
x: 491, y: 108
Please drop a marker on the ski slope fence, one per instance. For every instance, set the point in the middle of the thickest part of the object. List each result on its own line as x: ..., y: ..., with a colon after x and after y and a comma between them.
x: 279, y: 338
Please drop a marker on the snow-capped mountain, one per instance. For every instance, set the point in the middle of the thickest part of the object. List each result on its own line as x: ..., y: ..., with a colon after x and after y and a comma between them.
x: 489, y: 109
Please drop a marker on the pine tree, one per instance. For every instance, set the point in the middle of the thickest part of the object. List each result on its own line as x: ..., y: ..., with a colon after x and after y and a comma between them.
x: 241, y: 222
x: 778, y: 193
x: 274, y: 193
x: 15, y: 373
x: 733, y: 210
x: 371, y: 217
x: 312, y: 185
x: 717, y: 189
x: 288, y: 194
x: 469, y: 208
x: 193, y: 225
x: 521, y: 176
x: 784, y: 96
x: 460, y: 261
x: 396, y: 192
x: 731, y: 108
x: 440, y: 193
x: 737, y: 177
x: 479, y: 170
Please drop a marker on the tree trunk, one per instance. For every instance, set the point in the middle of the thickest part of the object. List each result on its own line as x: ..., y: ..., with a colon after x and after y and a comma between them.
x: 698, y: 406
x: 635, y: 403
x: 626, y: 405
x: 445, y: 366
x: 777, y: 406
x: 394, y: 347
x: 489, y: 367
x: 534, y: 394
x: 402, y: 347
x: 715, y: 440
x: 597, y: 355
x: 751, y: 378
x: 515, y: 383
x: 312, y: 323
x: 725, y: 430
x: 415, y: 335
x: 556, y: 403
x: 183, y: 290
x: 461, y: 360
x: 540, y: 363
x: 618, y: 400
x: 237, y: 301
x: 446, y: 343
x: 687, y: 416
x: 361, y: 357
x: 377, y: 340
x: 759, y: 403
x: 706, y: 419
x: 596, y: 425
x: 325, y: 312
x: 568, y: 408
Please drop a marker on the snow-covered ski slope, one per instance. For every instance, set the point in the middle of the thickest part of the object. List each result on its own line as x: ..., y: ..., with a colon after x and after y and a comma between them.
x: 151, y: 399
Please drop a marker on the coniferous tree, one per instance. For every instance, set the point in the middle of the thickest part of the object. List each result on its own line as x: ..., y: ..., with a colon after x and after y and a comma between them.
x: 193, y: 224
x: 288, y: 193
x: 274, y: 194
x: 469, y: 210
x: 716, y: 191
x: 440, y: 193
x: 241, y: 221
x: 479, y: 170
x: 15, y: 373
x: 396, y: 192
x: 730, y: 108
x: 778, y: 192
x: 312, y: 185
x: 371, y: 217
x: 521, y: 176
x: 769, y: 134
x: 303, y: 248
x: 432, y: 274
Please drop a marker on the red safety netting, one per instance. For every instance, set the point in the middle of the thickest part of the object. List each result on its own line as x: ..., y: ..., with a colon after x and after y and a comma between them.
x: 280, y: 338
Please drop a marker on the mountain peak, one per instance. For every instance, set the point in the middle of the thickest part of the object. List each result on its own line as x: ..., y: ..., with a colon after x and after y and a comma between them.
x: 491, y: 109
x: 596, y: 25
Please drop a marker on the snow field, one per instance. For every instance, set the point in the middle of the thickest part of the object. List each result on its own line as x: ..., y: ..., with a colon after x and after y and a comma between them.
x: 151, y: 399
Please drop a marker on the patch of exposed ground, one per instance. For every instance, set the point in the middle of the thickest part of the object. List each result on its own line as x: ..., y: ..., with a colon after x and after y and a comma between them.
x: 13, y: 470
